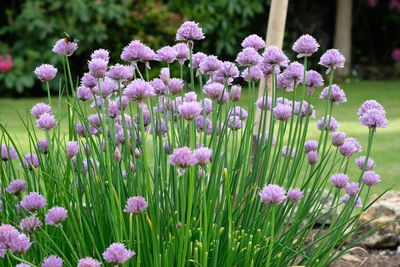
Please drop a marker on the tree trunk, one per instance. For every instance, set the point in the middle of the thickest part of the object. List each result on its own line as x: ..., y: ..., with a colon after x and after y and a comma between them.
x: 275, y: 32
x: 342, y: 40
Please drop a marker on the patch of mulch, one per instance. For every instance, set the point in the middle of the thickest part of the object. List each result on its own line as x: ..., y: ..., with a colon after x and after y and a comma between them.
x: 368, y: 258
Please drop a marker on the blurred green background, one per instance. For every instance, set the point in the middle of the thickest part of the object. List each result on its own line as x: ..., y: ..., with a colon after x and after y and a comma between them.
x: 28, y: 30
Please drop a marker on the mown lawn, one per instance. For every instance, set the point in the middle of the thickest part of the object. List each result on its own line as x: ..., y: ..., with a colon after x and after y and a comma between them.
x: 385, y: 151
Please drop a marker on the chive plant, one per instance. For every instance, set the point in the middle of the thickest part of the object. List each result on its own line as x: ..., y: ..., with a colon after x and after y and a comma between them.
x: 165, y: 172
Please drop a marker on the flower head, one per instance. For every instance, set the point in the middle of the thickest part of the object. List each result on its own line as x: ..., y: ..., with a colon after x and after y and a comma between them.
x: 282, y: 112
x: 135, y: 205
x: 183, y: 52
x: 217, y: 92
x: 294, y: 195
x: 167, y: 54
x: 328, y: 123
x: 64, y: 48
x: 226, y: 74
x: 197, y: 58
x: 248, y: 57
x: 337, y: 95
x: 275, y: 57
x: 305, y: 46
x: 31, y: 161
x: 352, y: 189
x: 46, y: 122
x: 210, y: 64
x: 371, y: 178
x: 72, y: 149
x: 255, y: 74
x: 16, y: 187
x: 272, y: 194
x: 33, y: 202
x: 374, y: 118
x: 235, y: 93
x: 263, y: 103
x: 367, y: 105
x: 139, y: 90
x: 189, y: 110
x: 203, y: 155
x: 253, y: 41
x: 120, y: 72
x: 182, y: 157
x: 84, y: 93
x: 347, y: 197
x: 338, y: 138
x: 159, y: 86
x: 56, y: 215
x: 101, y: 53
x: 88, y: 80
x: 238, y: 111
x: 235, y: 123
x: 349, y: 147
x: 312, y: 157
x: 31, y: 224
x: 45, y: 72
x: 98, y: 67
x: 175, y: 85
x: 361, y: 161
x: 332, y: 59
x: 189, y: 31
x: 117, y: 253
x: 310, y: 145
x: 339, y: 180
x: 39, y: 109
x: 313, y: 79
x: 88, y: 262
x: 8, y: 152
x: 294, y: 72
x: 52, y: 261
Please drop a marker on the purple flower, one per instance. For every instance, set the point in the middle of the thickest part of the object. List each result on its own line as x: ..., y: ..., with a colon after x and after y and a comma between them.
x: 210, y: 64
x: 323, y: 123
x: 306, y: 109
x: 88, y: 262
x: 16, y: 187
x: 31, y: 224
x: 72, y: 149
x: 52, y: 261
x: 146, y: 54
x: 346, y: 198
x: 238, y: 111
x: 88, y: 80
x: 56, y: 215
x: 175, y: 85
x: 255, y: 74
x: 349, y: 147
x: 159, y: 86
x: 120, y: 72
x: 97, y: 67
x: 197, y: 58
x: 263, y: 104
x: 167, y: 54
x: 46, y: 122
x: 367, y: 105
x: 203, y: 155
x: 282, y: 112
x: 312, y: 157
x: 217, y: 92
x: 337, y: 94
x: 361, y: 161
x: 190, y: 97
x: 189, y: 31
x: 275, y: 57
x: 20, y: 244
x: 332, y: 59
x: 84, y: 93
x: 183, y: 52
x: 272, y: 194
x: 371, y: 178
x: 294, y: 72
x: 182, y: 157
x: 310, y: 145
x: 235, y: 123
x: 189, y: 110
x: 305, y: 46
x: 202, y: 124
x: 286, y: 150
x: 313, y: 79
x: 235, y: 93
x: 248, y: 57
x: 64, y: 48
x: 33, y: 202
x: 338, y: 138
x: 45, y: 72
x: 135, y: 205
x: 374, y: 118
x: 31, y: 161
x: 283, y: 82
x: 39, y: 109
x: 206, y: 104
x: 339, y: 180
x: 101, y: 53
x: 22, y: 265
x: 253, y: 41
x: 107, y: 87
x: 294, y: 195
x: 134, y: 52
x: 8, y: 153
x: 139, y: 90
x: 352, y: 189
x: 117, y: 253
x: 227, y: 73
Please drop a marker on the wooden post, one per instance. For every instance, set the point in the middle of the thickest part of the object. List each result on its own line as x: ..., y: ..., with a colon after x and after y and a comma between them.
x: 275, y: 32
x: 342, y: 40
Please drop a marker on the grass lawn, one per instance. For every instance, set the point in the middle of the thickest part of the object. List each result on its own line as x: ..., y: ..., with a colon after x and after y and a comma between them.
x: 385, y: 150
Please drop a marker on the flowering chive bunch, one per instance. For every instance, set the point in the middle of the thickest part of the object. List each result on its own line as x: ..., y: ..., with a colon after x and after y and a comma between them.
x: 158, y: 170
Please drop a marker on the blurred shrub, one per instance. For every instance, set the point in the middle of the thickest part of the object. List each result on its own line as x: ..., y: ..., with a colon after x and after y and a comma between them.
x: 30, y: 29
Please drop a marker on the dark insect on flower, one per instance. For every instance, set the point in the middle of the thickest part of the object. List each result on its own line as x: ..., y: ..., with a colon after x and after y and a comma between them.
x: 70, y: 38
